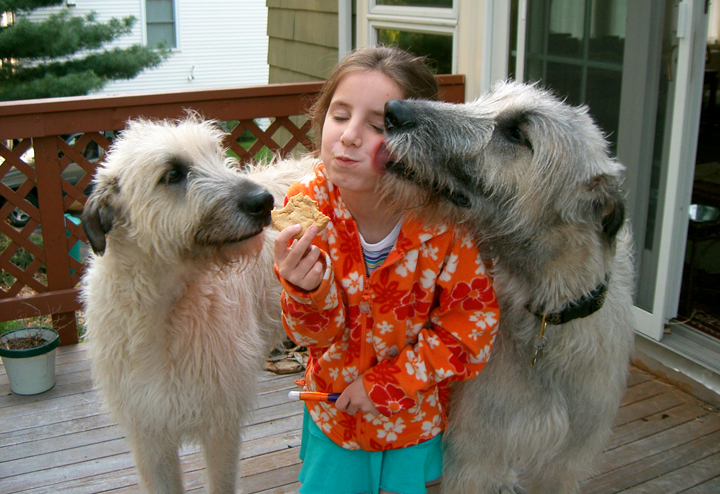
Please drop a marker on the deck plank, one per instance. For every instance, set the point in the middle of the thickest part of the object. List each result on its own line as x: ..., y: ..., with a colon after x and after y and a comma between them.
x: 710, y: 487
x: 684, y: 478
x: 63, y: 441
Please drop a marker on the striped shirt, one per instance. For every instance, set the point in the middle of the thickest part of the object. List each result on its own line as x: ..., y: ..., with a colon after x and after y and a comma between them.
x: 375, y: 254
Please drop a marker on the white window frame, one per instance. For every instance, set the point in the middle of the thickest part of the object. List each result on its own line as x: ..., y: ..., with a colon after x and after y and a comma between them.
x: 176, y: 16
x: 430, y: 20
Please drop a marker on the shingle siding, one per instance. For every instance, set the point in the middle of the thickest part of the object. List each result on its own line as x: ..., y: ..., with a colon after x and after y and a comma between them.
x: 303, y: 39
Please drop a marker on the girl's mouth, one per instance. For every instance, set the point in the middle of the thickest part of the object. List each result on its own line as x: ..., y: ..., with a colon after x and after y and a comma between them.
x: 344, y: 160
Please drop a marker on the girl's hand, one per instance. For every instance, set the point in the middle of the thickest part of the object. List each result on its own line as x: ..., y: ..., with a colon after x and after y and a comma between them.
x: 298, y: 262
x: 355, y: 398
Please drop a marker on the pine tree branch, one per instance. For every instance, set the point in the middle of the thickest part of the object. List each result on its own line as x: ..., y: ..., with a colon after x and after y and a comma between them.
x: 26, y: 5
x: 63, y: 55
x: 119, y: 63
x: 60, y: 35
x: 75, y: 84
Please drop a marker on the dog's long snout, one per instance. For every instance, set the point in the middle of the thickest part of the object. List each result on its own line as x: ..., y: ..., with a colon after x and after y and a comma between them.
x: 398, y: 114
x: 257, y: 204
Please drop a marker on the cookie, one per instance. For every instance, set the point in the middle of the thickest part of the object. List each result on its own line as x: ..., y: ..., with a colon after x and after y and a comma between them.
x: 299, y: 209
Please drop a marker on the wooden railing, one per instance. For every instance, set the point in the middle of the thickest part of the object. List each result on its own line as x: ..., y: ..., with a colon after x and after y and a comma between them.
x: 43, y: 126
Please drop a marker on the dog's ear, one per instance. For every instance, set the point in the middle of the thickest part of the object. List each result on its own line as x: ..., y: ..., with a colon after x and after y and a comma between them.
x: 608, y: 204
x: 97, y: 218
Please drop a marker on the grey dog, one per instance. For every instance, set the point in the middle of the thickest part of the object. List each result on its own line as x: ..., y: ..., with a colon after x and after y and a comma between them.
x: 532, y: 179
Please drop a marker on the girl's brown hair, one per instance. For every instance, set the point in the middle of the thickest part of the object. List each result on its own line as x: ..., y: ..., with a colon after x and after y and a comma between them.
x: 409, y: 72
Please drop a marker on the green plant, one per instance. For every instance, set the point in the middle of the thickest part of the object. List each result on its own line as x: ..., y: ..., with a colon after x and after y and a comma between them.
x: 21, y: 258
x: 36, y: 321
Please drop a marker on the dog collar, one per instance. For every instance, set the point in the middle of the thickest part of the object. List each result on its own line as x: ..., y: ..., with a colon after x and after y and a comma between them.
x: 586, y: 305
x: 583, y: 307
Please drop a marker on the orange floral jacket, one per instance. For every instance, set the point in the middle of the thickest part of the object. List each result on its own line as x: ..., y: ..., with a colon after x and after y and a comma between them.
x: 426, y: 316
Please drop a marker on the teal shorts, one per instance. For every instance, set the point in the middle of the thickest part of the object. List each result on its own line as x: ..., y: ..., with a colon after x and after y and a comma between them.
x: 330, y: 469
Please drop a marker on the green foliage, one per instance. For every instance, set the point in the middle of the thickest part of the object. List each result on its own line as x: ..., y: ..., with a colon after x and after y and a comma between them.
x: 26, y: 5
x: 63, y: 55
x: 21, y: 258
x: 31, y: 322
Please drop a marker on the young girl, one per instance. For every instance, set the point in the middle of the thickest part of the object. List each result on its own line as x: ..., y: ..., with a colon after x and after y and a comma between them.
x: 390, y: 309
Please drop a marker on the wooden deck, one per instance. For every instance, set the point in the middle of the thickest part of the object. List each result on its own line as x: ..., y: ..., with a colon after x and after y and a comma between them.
x: 664, y: 440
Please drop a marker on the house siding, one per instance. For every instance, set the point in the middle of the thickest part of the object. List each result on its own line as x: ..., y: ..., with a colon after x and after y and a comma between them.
x: 223, y: 43
x: 303, y: 39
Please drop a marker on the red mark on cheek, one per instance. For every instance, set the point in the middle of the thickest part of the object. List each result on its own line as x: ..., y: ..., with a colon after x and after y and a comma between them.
x: 380, y: 157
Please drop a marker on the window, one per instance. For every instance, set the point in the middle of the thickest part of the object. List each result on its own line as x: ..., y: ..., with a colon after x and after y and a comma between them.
x: 437, y: 47
x: 577, y: 48
x: 160, y: 23
x: 417, y: 3
x: 422, y: 27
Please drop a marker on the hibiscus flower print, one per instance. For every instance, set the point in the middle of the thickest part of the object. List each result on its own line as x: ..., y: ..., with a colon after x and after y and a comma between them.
x: 385, y: 373
x: 429, y: 251
x: 386, y: 294
x: 442, y: 374
x: 451, y: 263
x: 428, y: 279
x: 350, y: 374
x: 415, y: 367
x: 432, y: 428
x: 390, y: 399
x: 391, y: 429
x: 481, y: 269
x: 408, y: 264
x: 471, y: 297
x: 323, y: 417
x: 312, y: 321
x: 481, y: 357
x: 353, y: 283
x: 412, y: 331
x: 321, y: 195
x: 331, y: 300
x: 433, y: 232
x: 467, y: 242
x: 334, y: 254
x: 413, y: 304
x: 482, y: 320
x: 385, y: 327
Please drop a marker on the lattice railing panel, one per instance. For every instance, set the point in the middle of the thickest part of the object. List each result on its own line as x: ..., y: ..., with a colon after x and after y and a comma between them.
x: 281, y: 137
x: 267, y: 120
x: 23, y: 258
x: 17, y: 176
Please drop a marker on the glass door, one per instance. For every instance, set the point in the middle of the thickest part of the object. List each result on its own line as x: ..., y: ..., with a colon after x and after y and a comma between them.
x: 638, y: 65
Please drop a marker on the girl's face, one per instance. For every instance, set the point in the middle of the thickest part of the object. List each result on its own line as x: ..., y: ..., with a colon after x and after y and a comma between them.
x: 352, y: 144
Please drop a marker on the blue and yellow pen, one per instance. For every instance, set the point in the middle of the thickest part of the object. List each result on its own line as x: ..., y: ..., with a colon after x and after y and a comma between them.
x: 313, y: 395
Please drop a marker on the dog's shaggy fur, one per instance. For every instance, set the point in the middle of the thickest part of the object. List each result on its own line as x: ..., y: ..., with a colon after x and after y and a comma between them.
x: 181, y: 303
x: 530, y: 176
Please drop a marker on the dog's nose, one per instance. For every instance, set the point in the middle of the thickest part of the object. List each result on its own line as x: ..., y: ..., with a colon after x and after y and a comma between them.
x: 258, y: 203
x: 398, y: 114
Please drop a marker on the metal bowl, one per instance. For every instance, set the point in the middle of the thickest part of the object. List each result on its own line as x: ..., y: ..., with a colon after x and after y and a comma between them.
x: 701, y: 212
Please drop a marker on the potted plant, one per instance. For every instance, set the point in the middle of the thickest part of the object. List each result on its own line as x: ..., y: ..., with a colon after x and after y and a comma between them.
x: 28, y: 355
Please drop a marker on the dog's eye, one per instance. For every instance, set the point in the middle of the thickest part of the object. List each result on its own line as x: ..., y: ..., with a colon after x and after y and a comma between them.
x: 172, y: 176
x: 516, y: 135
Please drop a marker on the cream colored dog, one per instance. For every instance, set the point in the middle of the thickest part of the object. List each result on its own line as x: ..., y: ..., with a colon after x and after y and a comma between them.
x: 182, y: 305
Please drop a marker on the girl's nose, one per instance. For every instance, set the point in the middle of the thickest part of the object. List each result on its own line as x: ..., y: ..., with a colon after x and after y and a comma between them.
x: 351, y: 136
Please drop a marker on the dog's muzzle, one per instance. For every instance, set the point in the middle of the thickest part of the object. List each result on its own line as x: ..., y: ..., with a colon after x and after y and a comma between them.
x: 398, y: 115
x: 257, y: 204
